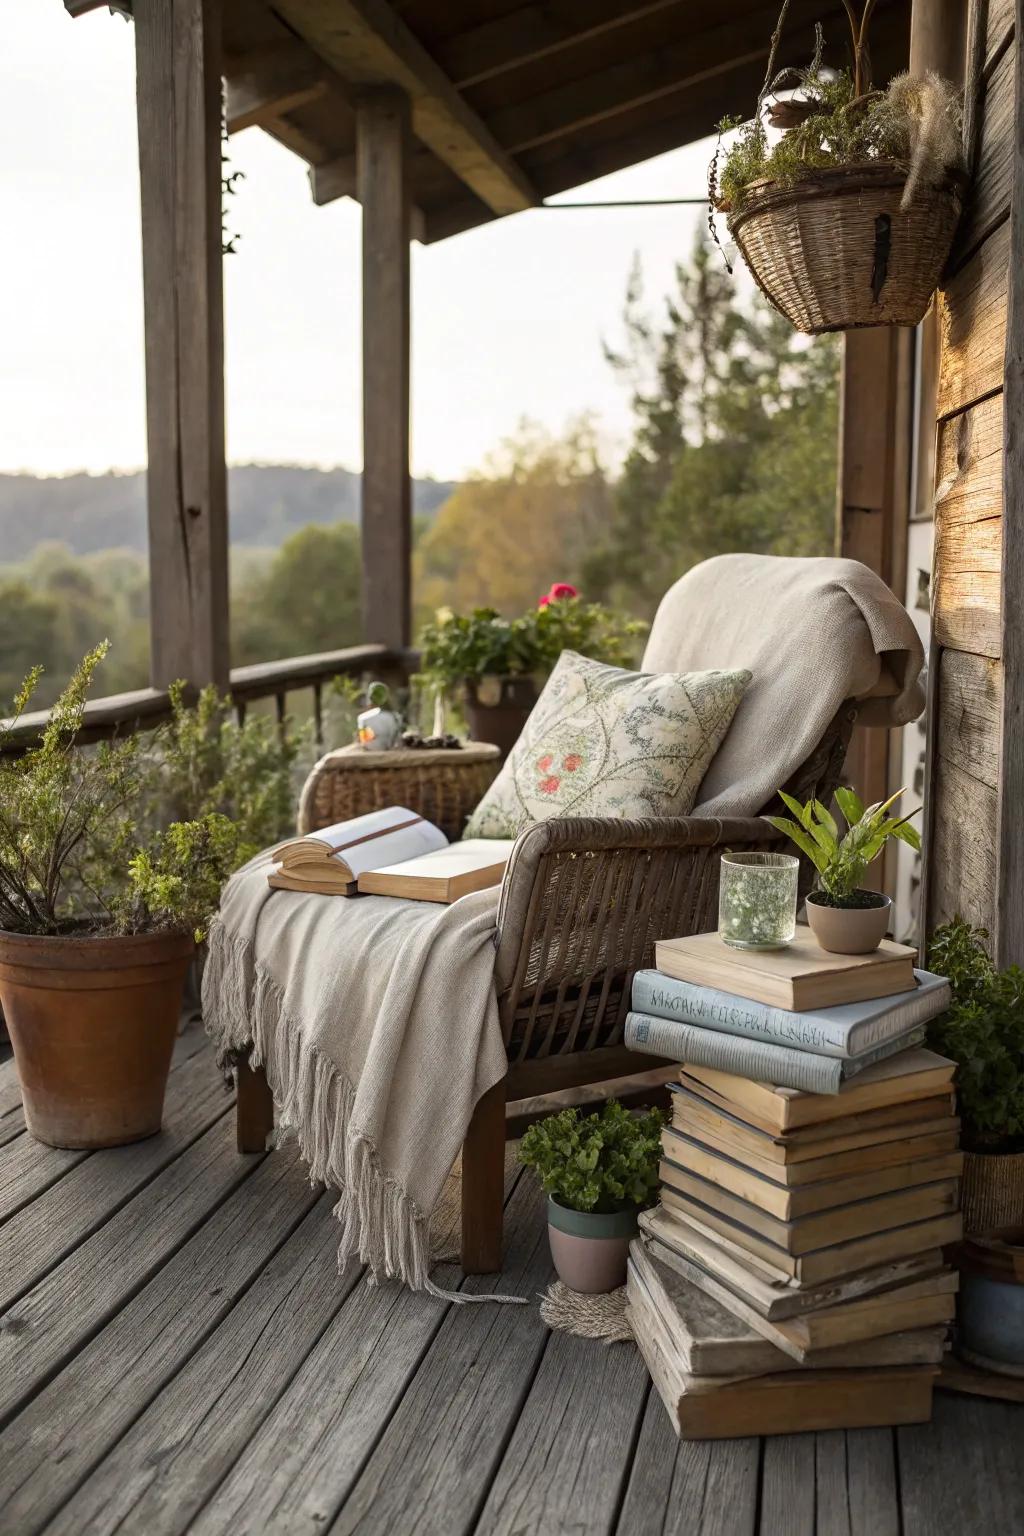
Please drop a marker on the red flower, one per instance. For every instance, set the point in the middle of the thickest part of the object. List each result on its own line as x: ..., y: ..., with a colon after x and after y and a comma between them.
x: 550, y: 784
x: 544, y: 763
x: 563, y: 589
x: 572, y: 762
x: 542, y: 602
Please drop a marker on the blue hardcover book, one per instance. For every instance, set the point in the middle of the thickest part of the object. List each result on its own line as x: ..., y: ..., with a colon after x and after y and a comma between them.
x: 845, y: 1030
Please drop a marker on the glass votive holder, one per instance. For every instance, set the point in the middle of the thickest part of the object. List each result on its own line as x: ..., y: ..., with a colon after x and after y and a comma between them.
x: 757, y: 900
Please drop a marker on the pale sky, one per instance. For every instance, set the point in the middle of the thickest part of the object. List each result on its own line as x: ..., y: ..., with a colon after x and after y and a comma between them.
x: 507, y: 319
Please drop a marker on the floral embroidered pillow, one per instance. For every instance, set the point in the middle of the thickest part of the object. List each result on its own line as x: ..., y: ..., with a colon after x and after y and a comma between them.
x: 604, y: 742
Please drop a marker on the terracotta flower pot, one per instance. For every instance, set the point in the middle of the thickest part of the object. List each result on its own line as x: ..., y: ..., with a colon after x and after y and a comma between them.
x: 849, y: 930
x: 92, y: 1022
x: 497, y: 708
x: 590, y: 1248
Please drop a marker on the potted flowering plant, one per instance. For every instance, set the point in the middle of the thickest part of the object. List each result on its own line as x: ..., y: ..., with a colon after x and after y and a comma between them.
x: 493, y: 664
x: 599, y: 1172
x: 96, y: 932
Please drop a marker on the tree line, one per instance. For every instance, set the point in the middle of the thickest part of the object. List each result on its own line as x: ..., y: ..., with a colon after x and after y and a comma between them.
x: 733, y: 447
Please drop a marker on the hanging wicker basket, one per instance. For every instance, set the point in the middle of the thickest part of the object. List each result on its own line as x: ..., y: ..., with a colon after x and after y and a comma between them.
x: 836, y: 252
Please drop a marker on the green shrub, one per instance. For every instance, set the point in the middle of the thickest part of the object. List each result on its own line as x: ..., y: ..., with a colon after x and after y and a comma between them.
x: 204, y: 762
x: 600, y: 1162
x: 983, y: 1032
x: 176, y: 882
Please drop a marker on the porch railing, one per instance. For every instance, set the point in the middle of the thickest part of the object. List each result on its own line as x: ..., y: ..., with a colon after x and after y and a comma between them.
x: 121, y: 712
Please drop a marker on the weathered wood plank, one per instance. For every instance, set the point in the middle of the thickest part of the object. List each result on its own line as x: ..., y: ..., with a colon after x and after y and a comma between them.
x: 10, y: 1088
x: 29, y: 1167
x: 963, y: 1471
x: 989, y: 199
x: 688, y: 1487
x: 962, y: 855
x: 178, y: 68
x: 368, y: 44
x: 42, y: 1233
x: 855, y: 1483
x: 1009, y: 896
x: 48, y: 1325
x: 969, y: 465
x: 65, y: 1431
x: 999, y: 28
x: 301, y: 1465
x: 966, y: 598
x: 787, y: 1486
x: 970, y: 712
x: 164, y: 1469
x: 569, y: 1456
x: 382, y: 146
x: 973, y: 322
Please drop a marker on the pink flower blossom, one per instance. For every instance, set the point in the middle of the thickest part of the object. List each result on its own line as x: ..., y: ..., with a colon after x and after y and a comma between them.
x: 563, y: 589
x: 572, y: 762
x: 550, y: 784
x: 544, y: 763
x: 542, y: 602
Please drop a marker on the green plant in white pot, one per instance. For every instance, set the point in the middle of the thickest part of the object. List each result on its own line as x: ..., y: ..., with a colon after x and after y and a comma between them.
x: 845, y: 918
x: 599, y: 1172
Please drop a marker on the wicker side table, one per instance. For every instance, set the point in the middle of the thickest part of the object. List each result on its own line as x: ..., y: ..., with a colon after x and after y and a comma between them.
x: 444, y: 786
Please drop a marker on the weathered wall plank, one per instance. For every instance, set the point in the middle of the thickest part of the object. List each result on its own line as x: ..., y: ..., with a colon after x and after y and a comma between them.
x: 963, y: 849
x: 970, y: 709
x: 989, y: 200
x: 973, y: 326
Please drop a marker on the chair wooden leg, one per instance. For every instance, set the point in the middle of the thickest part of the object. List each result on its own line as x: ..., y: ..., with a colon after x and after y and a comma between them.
x: 483, y: 1185
x: 254, y: 1109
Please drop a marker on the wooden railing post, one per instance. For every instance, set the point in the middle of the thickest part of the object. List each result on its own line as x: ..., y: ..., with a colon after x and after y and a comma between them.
x: 382, y: 147
x: 178, y: 87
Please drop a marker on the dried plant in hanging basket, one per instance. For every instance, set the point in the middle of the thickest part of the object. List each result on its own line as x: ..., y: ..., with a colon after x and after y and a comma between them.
x: 847, y: 219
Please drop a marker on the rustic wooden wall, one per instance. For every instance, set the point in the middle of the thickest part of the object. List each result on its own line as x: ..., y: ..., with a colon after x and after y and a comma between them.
x: 967, y: 609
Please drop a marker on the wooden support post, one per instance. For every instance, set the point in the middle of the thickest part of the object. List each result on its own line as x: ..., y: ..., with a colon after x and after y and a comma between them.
x: 483, y: 1185
x: 178, y: 85
x: 254, y: 1111
x: 382, y: 134
x: 874, y: 494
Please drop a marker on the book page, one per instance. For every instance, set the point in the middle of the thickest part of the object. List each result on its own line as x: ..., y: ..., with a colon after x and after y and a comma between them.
x: 387, y: 848
x: 455, y: 859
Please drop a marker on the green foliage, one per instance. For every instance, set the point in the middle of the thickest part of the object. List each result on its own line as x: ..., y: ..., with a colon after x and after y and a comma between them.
x: 842, y: 860
x: 176, y: 882
x: 916, y: 121
x: 306, y: 598
x: 71, y: 858
x: 602, y: 1162
x: 64, y: 814
x: 457, y: 647
x: 734, y: 442
x: 983, y: 1032
x: 204, y: 762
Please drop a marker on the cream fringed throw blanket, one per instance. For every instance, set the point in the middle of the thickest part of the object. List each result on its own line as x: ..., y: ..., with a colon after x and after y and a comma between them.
x: 377, y: 1023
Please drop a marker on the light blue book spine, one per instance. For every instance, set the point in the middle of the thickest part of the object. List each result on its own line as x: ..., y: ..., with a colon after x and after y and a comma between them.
x: 782, y: 1065
x: 844, y: 1031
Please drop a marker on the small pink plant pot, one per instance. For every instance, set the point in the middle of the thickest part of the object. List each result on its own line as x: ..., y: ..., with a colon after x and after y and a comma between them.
x: 590, y: 1248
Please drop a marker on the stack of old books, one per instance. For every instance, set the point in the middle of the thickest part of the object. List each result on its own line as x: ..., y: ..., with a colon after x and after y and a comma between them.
x: 792, y: 1276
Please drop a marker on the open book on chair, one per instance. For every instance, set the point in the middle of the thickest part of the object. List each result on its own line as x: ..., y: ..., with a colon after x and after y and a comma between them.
x: 393, y: 852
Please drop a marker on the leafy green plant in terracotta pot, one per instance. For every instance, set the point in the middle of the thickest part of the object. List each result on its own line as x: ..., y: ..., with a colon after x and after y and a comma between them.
x: 844, y: 918
x: 96, y: 932
x: 493, y: 664
x: 599, y: 1172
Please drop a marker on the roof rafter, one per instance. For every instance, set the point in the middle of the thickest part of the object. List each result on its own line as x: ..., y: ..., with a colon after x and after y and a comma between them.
x: 367, y: 44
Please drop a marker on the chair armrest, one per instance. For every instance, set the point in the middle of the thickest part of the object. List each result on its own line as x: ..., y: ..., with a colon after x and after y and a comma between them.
x: 584, y: 901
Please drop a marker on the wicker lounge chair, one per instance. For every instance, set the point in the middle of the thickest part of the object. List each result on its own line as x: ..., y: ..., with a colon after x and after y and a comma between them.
x: 582, y: 904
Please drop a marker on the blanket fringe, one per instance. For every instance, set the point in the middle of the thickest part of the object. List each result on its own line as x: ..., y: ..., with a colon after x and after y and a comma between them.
x: 243, y: 1009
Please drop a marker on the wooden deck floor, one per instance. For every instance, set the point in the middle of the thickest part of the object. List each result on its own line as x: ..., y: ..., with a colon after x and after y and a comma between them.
x: 178, y: 1353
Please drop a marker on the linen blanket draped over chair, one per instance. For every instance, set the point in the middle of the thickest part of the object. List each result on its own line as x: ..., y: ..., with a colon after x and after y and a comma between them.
x: 584, y: 899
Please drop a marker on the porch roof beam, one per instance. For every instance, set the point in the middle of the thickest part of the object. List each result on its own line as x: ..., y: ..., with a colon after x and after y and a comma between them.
x: 367, y: 44
x: 265, y: 82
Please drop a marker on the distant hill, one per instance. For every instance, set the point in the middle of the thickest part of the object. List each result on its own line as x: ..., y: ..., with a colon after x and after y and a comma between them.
x: 96, y: 512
